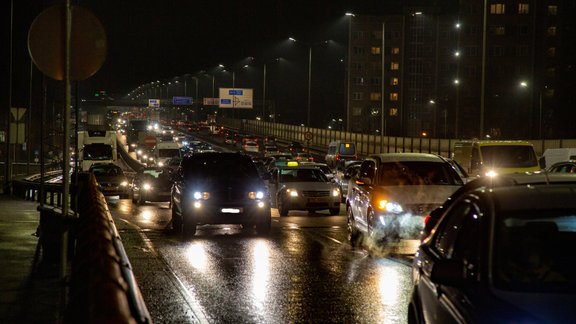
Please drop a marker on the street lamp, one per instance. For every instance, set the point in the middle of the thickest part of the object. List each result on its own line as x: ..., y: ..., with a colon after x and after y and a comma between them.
x: 309, y: 79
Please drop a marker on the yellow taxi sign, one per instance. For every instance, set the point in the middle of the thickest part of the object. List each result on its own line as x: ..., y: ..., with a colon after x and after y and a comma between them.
x: 347, y: 145
x: 292, y: 163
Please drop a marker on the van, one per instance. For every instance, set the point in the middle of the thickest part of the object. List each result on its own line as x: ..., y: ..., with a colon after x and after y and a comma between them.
x: 340, y: 151
x: 163, y: 151
x: 552, y: 156
x: 486, y: 157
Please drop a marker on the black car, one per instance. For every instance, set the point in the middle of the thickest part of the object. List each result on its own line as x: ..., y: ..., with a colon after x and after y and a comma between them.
x: 111, y: 179
x: 500, y: 255
x: 219, y: 188
x: 513, y: 179
x: 151, y: 184
x: 295, y: 147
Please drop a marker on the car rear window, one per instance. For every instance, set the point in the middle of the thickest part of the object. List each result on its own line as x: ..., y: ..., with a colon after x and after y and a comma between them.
x: 347, y: 149
x: 509, y: 156
x: 417, y: 173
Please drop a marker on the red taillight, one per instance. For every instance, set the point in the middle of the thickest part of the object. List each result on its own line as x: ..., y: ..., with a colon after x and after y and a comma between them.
x: 426, y: 219
x: 337, y: 157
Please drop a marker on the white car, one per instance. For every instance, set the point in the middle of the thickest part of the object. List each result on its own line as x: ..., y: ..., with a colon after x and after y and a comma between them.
x: 303, y: 188
x: 393, y: 193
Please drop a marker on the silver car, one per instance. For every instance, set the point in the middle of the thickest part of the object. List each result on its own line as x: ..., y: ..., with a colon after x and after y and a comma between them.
x: 303, y: 188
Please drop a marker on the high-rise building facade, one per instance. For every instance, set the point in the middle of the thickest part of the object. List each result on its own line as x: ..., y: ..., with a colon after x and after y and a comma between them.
x: 499, y: 69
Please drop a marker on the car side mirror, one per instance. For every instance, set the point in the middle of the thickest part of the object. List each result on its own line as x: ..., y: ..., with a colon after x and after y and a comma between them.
x: 542, y: 162
x: 448, y: 272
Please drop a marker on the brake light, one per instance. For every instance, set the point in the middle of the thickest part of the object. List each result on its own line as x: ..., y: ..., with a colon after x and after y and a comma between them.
x: 337, y: 157
x: 426, y: 219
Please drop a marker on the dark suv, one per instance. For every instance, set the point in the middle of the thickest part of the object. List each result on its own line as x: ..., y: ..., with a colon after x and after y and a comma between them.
x: 219, y: 188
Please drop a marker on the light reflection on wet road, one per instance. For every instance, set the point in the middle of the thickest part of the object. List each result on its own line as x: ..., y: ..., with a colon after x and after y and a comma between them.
x: 304, y: 271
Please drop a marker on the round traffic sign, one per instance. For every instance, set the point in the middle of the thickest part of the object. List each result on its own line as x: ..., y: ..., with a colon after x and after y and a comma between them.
x: 308, y: 136
x: 47, y: 41
x: 150, y: 141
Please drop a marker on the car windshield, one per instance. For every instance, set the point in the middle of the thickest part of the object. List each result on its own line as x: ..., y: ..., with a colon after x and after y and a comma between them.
x: 97, y: 152
x: 534, y: 251
x: 302, y: 175
x: 107, y: 171
x: 509, y: 156
x: 417, y: 173
x: 206, y: 167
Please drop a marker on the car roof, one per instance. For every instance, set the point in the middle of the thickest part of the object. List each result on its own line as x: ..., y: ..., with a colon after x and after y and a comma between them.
x: 538, y: 196
x: 407, y: 157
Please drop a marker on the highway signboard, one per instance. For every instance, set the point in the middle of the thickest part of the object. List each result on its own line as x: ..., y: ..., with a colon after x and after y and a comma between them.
x: 236, y: 98
x: 182, y: 101
x: 153, y: 103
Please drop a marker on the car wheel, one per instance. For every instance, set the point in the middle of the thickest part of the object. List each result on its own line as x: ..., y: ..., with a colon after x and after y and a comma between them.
x: 353, y: 233
x: 263, y: 227
x: 176, y: 221
x: 282, y: 208
x: 334, y: 211
x: 188, y: 225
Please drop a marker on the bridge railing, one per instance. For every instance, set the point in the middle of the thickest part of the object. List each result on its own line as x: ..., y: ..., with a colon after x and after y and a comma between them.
x: 102, y: 287
x: 366, y: 143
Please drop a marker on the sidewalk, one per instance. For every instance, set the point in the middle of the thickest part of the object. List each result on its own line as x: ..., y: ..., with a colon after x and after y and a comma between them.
x: 31, y: 291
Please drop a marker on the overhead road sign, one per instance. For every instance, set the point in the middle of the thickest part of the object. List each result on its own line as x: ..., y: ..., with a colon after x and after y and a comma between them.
x: 153, y: 103
x: 210, y: 101
x: 182, y: 101
x: 236, y: 98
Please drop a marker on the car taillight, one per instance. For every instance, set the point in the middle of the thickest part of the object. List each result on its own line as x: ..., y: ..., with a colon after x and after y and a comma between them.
x: 426, y: 219
x: 337, y: 157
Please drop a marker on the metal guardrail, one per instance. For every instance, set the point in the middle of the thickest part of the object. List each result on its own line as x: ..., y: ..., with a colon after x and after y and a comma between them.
x: 103, y: 288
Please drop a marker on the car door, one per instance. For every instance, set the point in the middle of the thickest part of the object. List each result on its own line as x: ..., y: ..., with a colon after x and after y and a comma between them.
x: 178, y: 189
x: 361, y: 194
x: 457, y: 238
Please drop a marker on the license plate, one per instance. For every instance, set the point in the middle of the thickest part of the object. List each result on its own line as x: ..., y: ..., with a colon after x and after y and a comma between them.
x: 231, y: 210
x: 314, y: 199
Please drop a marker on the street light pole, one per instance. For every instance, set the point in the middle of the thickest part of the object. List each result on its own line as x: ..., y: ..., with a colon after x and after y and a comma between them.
x: 264, y: 94
x: 309, y: 84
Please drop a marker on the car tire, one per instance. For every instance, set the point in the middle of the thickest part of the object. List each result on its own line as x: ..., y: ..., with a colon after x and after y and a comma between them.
x: 282, y: 208
x: 334, y: 211
x: 264, y: 226
x: 176, y: 221
x: 353, y: 233
x: 188, y: 226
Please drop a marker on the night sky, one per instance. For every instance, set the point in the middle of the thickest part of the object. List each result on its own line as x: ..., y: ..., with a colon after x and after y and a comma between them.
x: 159, y: 40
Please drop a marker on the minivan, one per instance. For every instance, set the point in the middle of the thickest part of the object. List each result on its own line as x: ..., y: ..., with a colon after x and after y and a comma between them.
x: 486, y: 157
x: 340, y: 151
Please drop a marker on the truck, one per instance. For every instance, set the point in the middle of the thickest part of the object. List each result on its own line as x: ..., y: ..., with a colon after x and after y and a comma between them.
x: 163, y: 151
x: 136, y: 133
x: 489, y: 157
x: 96, y: 146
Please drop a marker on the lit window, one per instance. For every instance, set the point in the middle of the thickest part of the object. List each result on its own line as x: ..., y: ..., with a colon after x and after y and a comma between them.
x: 375, y: 50
x: 497, y: 30
x: 357, y: 95
x: 394, y: 96
x: 523, y: 8
x: 552, y: 10
x: 551, y: 52
x: 395, y: 50
x: 358, y: 81
x: 393, y: 112
x: 394, y: 81
x: 394, y: 66
x: 498, y: 9
x: 551, y: 31
x: 375, y: 96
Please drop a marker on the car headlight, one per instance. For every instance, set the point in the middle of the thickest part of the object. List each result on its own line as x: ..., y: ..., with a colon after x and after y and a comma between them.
x: 390, y: 206
x: 292, y: 192
x: 124, y: 183
x: 147, y: 186
x: 336, y: 192
x: 256, y: 195
x: 201, y: 195
x: 161, y: 164
x: 491, y: 173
